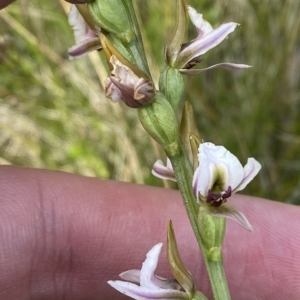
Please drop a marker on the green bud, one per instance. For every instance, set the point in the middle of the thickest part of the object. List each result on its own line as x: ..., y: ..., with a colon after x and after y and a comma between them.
x: 110, y: 15
x: 212, y: 229
x: 159, y: 120
x: 171, y: 84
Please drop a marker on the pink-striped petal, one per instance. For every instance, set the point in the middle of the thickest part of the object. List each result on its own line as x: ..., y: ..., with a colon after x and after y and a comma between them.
x: 220, y: 65
x: 164, y: 172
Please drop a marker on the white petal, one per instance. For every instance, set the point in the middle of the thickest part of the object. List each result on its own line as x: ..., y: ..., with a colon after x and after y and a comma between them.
x: 81, y: 29
x: 221, y: 65
x: 164, y: 172
x: 230, y: 212
x: 250, y: 171
x: 143, y: 293
x: 202, y: 26
x: 147, y: 278
x: 204, y: 178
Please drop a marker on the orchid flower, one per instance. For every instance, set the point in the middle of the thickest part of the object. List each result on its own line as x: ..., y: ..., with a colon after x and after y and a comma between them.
x: 86, y: 38
x: 207, y: 39
x: 125, y: 85
x: 150, y: 286
x: 219, y: 175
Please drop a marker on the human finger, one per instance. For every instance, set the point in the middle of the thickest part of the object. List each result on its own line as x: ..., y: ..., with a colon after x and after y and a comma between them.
x: 64, y: 234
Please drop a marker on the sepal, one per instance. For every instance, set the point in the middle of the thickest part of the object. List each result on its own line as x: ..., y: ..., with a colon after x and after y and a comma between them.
x: 171, y: 84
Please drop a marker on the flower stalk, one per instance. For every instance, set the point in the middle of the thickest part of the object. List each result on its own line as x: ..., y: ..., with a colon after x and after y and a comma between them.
x: 214, y: 263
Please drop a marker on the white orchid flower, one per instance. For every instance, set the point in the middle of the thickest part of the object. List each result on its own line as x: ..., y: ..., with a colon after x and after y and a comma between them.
x: 219, y: 175
x: 86, y: 39
x: 150, y: 286
x: 207, y: 39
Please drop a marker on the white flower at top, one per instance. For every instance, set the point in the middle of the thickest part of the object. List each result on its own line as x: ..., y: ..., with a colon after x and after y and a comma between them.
x: 149, y: 286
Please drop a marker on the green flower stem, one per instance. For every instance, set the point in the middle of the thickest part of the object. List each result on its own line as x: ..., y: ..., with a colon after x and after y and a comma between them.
x: 213, y: 259
x: 136, y: 49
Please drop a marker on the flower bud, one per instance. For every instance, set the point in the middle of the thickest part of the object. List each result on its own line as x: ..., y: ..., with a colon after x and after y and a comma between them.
x: 171, y: 84
x: 159, y: 120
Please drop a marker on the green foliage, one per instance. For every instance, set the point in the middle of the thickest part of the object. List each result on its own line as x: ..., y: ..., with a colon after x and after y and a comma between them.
x: 54, y: 114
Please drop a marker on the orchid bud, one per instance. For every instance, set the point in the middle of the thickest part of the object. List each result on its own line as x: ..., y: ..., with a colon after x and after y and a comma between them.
x: 159, y: 120
x: 171, y: 84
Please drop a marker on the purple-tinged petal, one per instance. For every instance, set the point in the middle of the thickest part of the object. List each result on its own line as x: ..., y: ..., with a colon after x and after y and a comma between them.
x: 230, y: 212
x: 221, y: 65
x: 251, y: 169
x: 85, y: 39
x: 161, y: 282
x: 203, y: 179
x: 143, y: 293
x: 164, y: 172
x: 203, y: 27
x: 201, y: 45
x: 124, y: 85
x: 84, y: 48
x: 81, y: 29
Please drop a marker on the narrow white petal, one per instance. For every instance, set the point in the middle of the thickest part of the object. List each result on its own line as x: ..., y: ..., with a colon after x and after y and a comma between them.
x: 143, y: 293
x: 230, y: 212
x: 149, y: 266
x: 221, y: 65
x: 203, y: 178
x: 164, y: 172
x: 80, y: 28
x: 251, y: 169
x: 84, y: 48
x: 203, y: 27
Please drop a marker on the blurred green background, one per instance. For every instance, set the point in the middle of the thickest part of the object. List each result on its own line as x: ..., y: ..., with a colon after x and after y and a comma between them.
x: 54, y: 114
